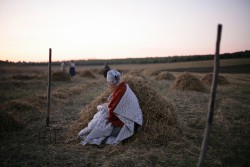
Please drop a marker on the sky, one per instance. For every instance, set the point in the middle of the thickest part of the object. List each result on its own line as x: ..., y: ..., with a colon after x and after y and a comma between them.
x: 108, y: 29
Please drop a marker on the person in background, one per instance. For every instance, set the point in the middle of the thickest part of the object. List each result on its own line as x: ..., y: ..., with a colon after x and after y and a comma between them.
x: 63, y: 65
x: 105, y: 70
x: 72, y: 71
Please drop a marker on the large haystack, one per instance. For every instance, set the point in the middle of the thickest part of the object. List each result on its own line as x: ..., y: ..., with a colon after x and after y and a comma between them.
x: 87, y: 74
x: 187, y: 81
x: 207, y: 79
x: 60, y: 76
x: 165, y: 76
x: 160, y: 122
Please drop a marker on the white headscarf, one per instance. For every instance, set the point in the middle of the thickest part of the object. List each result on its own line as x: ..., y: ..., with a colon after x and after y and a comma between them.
x: 113, y: 76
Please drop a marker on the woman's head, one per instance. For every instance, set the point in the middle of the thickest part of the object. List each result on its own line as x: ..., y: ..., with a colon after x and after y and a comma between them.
x: 113, y: 78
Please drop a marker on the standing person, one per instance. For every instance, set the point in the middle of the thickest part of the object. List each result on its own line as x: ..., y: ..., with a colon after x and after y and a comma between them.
x: 72, y: 71
x: 105, y: 70
x: 63, y: 66
x: 116, y: 120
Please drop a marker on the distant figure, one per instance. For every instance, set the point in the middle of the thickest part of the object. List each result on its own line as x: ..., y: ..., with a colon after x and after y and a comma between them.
x: 63, y: 65
x: 72, y: 71
x: 106, y: 69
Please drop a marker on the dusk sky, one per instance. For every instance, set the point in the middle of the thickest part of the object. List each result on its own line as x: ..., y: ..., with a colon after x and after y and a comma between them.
x: 105, y: 29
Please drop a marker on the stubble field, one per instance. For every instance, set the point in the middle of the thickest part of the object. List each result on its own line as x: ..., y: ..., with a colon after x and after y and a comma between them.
x: 23, y: 114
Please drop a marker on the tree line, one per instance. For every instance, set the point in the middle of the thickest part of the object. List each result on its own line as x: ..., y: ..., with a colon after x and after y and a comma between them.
x: 148, y: 60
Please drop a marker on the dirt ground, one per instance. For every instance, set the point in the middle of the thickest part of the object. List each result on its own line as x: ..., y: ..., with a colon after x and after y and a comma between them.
x: 25, y: 99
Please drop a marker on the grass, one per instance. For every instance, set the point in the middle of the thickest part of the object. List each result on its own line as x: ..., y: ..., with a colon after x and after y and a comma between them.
x: 228, y: 145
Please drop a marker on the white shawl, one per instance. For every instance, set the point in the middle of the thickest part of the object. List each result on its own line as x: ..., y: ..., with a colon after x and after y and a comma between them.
x: 98, y: 130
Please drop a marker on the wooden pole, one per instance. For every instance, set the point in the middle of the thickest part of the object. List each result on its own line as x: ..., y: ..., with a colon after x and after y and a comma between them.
x: 212, y: 100
x: 48, y: 89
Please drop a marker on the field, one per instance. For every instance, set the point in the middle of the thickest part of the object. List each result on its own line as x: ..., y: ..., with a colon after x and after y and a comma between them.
x: 23, y: 114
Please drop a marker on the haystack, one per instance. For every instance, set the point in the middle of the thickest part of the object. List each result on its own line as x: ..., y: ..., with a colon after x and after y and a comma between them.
x: 60, y: 76
x: 153, y: 73
x: 20, y: 112
x: 7, y: 123
x: 97, y: 71
x: 122, y: 71
x: 23, y: 111
x: 187, y: 81
x: 165, y: 76
x: 160, y: 122
x: 207, y: 79
x: 87, y: 74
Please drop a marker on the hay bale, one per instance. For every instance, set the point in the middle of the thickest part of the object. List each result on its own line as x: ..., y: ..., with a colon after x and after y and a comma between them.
x: 87, y: 74
x: 187, y: 81
x: 153, y: 73
x: 8, y: 123
x: 207, y: 80
x: 22, y: 111
x: 160, y: 122
x: 122, y: 71
x: 97, y: 71
x: 165, y: 76
x: 60, y: 76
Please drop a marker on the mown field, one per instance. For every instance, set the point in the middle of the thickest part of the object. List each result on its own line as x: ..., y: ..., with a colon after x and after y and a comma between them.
x: 23, y: 114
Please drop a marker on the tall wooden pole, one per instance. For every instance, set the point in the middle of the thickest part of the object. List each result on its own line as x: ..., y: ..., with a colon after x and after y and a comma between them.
x: 48, y: 89
x: 212, y: 99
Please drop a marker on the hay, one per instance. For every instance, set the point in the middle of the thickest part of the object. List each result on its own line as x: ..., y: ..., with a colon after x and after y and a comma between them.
x: 97, y: 71
x: 207, y: 80
x: 23, y: 77
x: 187, y: 81
x: 63, y: 93
x: 23, y: 111
x: 87, y: 74
x: 160, y: 120
x: 60, y: 76
x: 154, y: 73
x: 165, y: 76
x: 8, y: 123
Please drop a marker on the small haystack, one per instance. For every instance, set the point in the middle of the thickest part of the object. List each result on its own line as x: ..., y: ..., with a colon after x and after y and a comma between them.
x: 165, y: 76
x: 20, y: 112
x: 122, y: 71
x: 87, y: 74
x: 97, y: 71
x: 137, y: 73
x: 160, y: 122
x: 8, y: 123
x: 187, y: 81
x: 19, y: 106
x: 153, y: 73
x: 207, y: 80
x: 60, y: 76
x: 64, y: 93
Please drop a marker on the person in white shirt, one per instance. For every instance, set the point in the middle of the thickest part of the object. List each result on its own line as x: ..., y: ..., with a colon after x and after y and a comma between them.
x: 72, y: 71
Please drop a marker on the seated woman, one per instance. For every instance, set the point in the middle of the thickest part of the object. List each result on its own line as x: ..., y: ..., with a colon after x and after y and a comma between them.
x: 115, y: 120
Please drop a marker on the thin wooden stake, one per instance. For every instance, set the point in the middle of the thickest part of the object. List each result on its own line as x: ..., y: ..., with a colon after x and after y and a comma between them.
x: 48, y: 90
x: 212, y: 100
